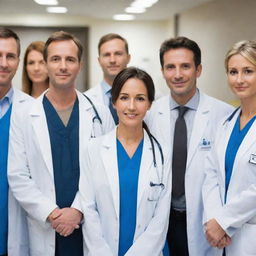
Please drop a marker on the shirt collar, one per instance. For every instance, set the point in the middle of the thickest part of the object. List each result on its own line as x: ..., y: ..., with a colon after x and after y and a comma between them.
x: 191, y: 104
x: 105, y: 87
x: 8, y: 96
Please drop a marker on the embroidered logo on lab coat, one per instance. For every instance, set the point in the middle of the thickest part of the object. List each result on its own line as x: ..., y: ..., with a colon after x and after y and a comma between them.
x: 205, y: 144
x: 252, y: 159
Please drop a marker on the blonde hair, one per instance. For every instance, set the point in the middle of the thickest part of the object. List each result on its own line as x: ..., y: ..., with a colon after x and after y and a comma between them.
x: 26, y: 82
x: 246, y: 48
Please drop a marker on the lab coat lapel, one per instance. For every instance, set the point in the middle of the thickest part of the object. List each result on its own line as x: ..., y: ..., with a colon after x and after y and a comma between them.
x: 164, y: 121
x: 85, y: 124
x: 145, y: 165
x: 109, y: 155
x: 40, y: 127
x: 19, y: 97
x: 97, y: 94
x: 247, y: 143
x: 223, y: 138
x: 200, y: 123
x: 85, y: 120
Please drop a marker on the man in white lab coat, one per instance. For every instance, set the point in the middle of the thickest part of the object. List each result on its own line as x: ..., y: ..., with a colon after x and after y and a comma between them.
x: 46, y: 146
x: 113, y: 57
x: 186, y: 121
x: 11, y: 101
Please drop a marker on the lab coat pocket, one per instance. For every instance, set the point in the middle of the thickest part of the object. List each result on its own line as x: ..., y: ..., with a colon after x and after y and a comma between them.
x: 154, y: 191
x: 248, y: 234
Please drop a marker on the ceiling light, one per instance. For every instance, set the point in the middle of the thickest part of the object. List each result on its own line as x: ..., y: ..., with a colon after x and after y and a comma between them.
x: 143, y: 3
x: 46, y: 2
x: 135, y: 10
x: 123, y: 17
x: 57, y: 9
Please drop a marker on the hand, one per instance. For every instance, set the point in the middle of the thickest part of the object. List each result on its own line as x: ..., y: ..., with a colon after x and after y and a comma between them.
x: 214, y: 232
x: 224, y: 242
x: 68, y: 219
x: 54, y: 215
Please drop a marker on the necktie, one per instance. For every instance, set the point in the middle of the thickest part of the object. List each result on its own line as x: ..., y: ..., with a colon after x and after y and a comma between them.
x: 111, y: 108
x: 179, y: 157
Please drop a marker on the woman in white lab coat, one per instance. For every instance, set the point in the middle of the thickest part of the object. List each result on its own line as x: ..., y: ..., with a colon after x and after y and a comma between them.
x: 229, y: 191
x: 124, y: 187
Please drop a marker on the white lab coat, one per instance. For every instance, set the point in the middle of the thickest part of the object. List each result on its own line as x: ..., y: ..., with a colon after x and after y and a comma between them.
x: 95, y: 94
x: 209, y: 112
x: 30, y: 171
x: 238, y: 216
x: 99, y: 194
x: 17, y: 223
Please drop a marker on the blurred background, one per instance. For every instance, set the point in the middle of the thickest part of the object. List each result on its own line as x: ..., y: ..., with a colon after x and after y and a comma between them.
x: 214, y: 24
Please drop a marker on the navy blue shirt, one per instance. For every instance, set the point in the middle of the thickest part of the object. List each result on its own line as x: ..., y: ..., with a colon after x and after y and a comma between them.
x: 65, y: 158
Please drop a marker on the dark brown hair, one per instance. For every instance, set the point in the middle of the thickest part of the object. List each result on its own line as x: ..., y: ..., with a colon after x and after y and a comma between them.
x: 132, y: 72
x: 7, y: 33
x: 177, y: 43
x: 63, y: 36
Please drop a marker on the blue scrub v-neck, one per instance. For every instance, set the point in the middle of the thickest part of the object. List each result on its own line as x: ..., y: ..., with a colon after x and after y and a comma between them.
x: 235, y: 140
x: 128, y: 170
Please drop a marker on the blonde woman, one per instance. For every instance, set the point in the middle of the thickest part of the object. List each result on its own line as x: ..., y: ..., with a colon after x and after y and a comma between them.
x: 229, y: 190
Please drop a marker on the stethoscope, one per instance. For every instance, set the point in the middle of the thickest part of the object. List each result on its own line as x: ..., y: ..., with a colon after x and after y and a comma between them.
x: 160, y: 174
x: 231, y: 116
x: 96, y: 119
x: 97, y: 116
x: 153, y: 141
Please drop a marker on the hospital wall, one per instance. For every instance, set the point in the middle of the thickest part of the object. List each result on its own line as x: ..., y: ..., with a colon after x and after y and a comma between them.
x: 144, y: 38
x: 215, y: 26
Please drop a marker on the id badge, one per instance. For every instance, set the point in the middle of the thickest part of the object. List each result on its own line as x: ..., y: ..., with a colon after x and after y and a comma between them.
x: 252, y: 159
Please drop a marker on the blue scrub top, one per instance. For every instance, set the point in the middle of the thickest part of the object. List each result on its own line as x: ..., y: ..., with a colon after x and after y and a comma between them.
x: 128, y: 170
x: 234, y: 143
x: 65, y: 158
x: 4, y: 140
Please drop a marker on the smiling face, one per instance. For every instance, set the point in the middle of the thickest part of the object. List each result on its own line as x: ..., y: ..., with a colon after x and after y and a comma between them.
x: 9, y: 61
x: 36, y: 67
x: 180, y: 72
x: 132, y: 103
x: 242, y: 77
x: 113, y: 58
x: 63, y: 64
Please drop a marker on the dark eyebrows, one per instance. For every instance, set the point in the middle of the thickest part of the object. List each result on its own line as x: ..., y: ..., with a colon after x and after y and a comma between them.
x: 140, y: 94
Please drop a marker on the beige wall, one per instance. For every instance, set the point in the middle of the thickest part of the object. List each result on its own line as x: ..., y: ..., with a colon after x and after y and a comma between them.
x: 216, y: 26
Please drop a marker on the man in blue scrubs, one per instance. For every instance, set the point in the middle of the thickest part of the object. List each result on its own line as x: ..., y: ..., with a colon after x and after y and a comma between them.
x: 10, y: 100
x: 45, y: 158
